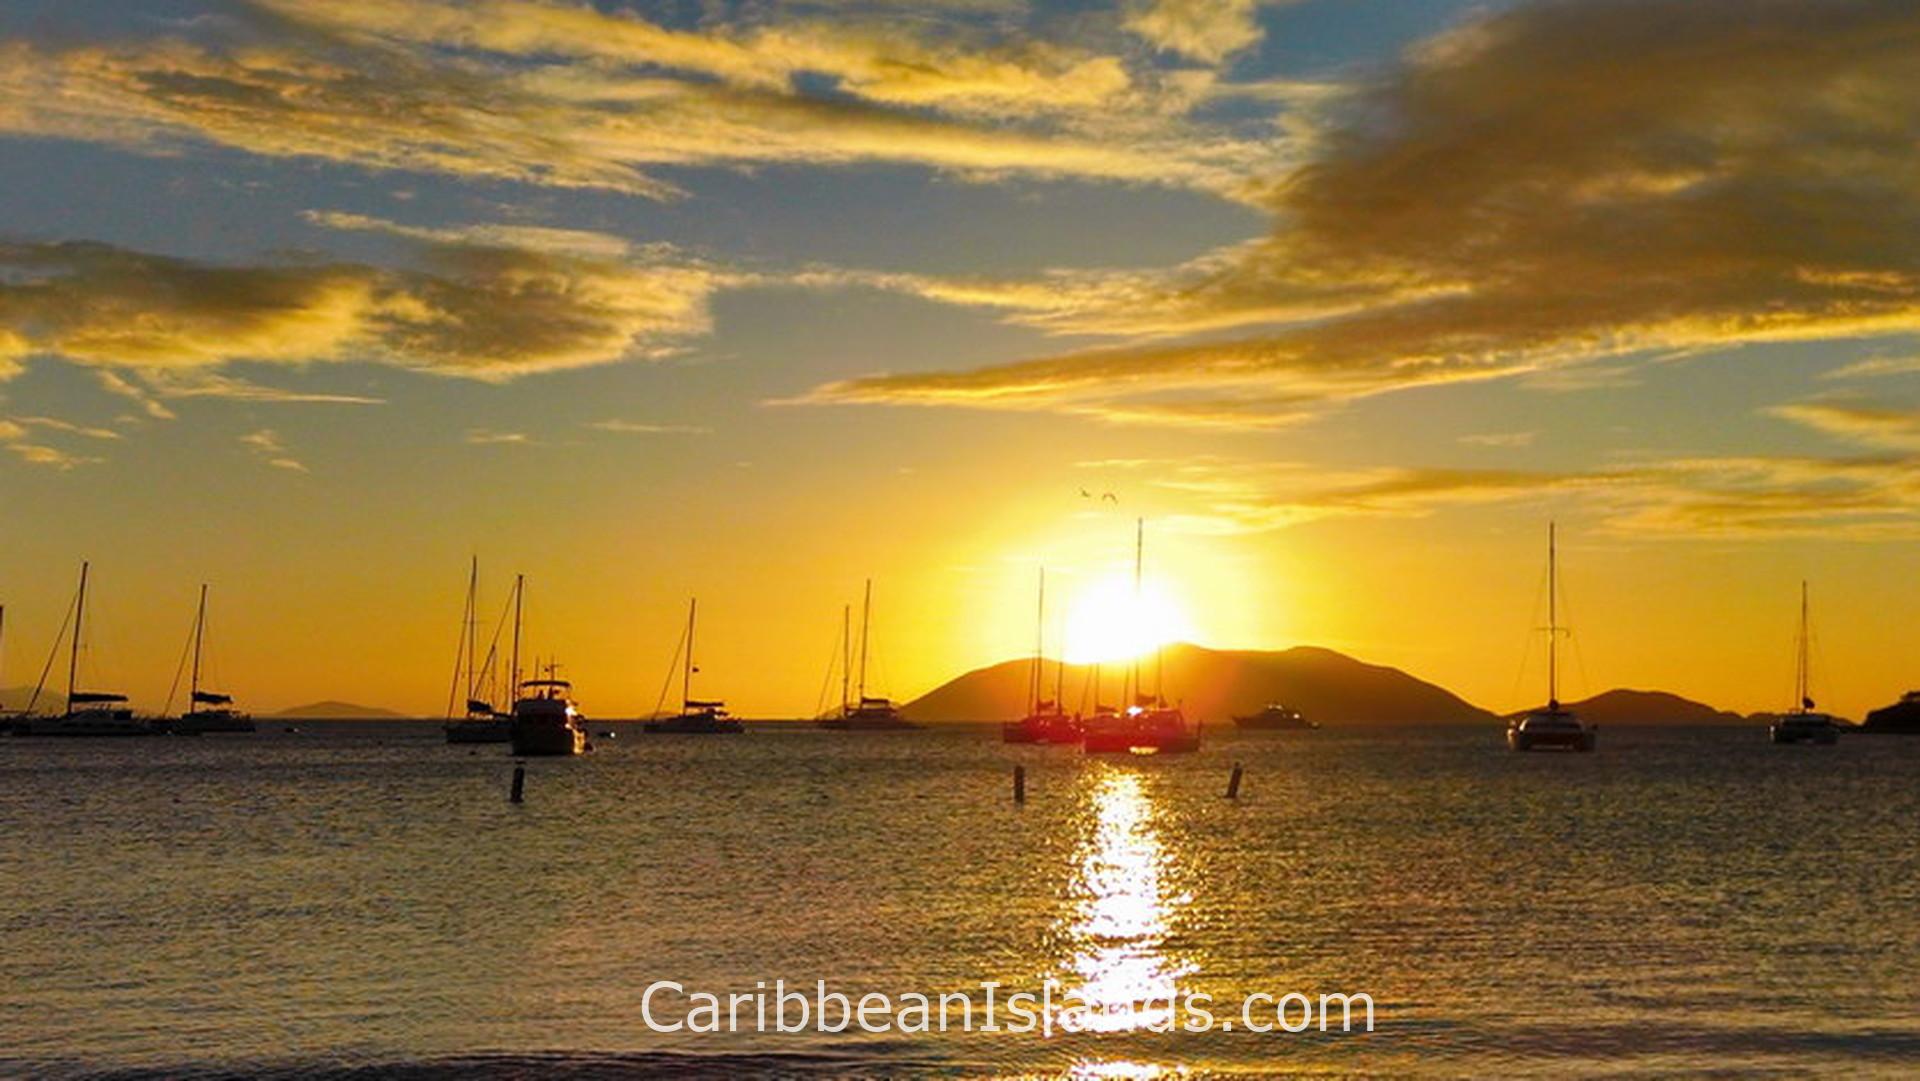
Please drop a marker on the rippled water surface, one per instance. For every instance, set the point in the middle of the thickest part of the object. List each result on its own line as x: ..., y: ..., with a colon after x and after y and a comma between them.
x: 363, y: 897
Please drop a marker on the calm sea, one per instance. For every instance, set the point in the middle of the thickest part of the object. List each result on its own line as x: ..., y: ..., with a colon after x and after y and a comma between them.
x: 362, y: 899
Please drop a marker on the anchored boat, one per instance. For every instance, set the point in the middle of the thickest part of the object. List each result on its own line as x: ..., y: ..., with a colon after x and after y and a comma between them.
x: 1803, y: 724
x: 482, y: 723
x: 863, y: 713
x: 697, y: 717
x: 88, y: 713
x: 207, y: 711
x: 1047, y: 720
x: 1554, y: 727
x: 1275, y: 717
x: 1149, y: 725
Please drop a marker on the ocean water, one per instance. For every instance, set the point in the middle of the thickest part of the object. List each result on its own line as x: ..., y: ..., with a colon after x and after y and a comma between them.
x: 362, y: 899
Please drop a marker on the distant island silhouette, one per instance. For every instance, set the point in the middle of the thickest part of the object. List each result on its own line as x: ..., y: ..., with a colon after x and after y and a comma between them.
x: 331, y: 710
x: 1324, y: 685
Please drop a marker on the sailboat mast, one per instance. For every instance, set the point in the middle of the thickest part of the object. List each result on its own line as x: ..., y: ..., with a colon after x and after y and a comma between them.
x: 79, y: 620
x: 473, y: 620
x: 519, y: 593
x: 846, y: 656
x: 686, y: 675
x: 199, y: 633
x: 1800, y: 675
x: 1039, y: 647
x: 1553, y: 616
x: 866, y: 621
x: 1139, y: 559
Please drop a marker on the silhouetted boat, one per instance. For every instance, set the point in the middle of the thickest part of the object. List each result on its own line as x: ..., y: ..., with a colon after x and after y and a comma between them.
x: 546, y: 723
x: 1150, y: 725
x: 1901, y: 718
x: 697, y: 717
x: 207, y: 711
x: 1552, y: 728
x: 864, y: 713
x: 1802, y: 724
x: 1047, y: 721
x: 482, y: 722
x: 1275, y: 717
x: 88, y: 713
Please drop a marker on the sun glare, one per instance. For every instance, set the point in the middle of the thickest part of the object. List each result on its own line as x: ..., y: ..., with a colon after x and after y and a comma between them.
x: 1106, y: 622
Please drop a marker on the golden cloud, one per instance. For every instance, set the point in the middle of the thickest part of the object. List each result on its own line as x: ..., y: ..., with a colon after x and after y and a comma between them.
x: 563, y: 95
x: 1546, y: 185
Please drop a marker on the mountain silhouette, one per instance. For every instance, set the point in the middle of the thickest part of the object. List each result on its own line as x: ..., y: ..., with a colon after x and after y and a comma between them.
x: 1214, y: 685
x: 1630, y: 707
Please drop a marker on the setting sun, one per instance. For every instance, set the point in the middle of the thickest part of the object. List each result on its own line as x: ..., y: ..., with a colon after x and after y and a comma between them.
x: 1107, y: 622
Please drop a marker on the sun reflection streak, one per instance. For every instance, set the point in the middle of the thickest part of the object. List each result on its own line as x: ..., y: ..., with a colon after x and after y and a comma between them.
x: 1120, y: 971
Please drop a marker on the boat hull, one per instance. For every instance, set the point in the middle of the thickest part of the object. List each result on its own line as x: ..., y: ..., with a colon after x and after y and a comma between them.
x: 1165, y: 733
x: 201, y: 724
x: 480, y: 731
x: 115, y: 725
x: 1798, y: 734
x: 548, y: 740
x: 1580, y: 741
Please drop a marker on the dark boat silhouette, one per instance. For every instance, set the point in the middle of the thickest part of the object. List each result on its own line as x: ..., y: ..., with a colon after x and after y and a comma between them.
x: 1553, y: 727
x: 696, y: 717
x: 1149, y: 725
x: 862, y: 712
x: 207, y: 711
x: 482, y: 723
x: 1803, y: 724
x: 88, y: 713
x: 1275, y: 717
x: 1046, y: 720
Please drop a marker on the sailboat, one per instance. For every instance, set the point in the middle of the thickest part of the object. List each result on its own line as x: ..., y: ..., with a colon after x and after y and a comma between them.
x: 1149, y: 725
x: 207, y: 711
x: 865, y: 713
x: 1552, y: 727
x: 545, y: 721
x: 1047, y: 720
x: 88, y: 713
x: 697, y: 717
x: 1802, y: 724
x: 481, y: 723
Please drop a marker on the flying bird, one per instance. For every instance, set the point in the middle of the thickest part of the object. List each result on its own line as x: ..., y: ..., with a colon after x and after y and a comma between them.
x: 1084, y: 494
x: 1110, y: 497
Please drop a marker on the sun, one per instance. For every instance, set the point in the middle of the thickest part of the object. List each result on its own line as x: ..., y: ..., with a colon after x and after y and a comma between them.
x: 1107, y: 622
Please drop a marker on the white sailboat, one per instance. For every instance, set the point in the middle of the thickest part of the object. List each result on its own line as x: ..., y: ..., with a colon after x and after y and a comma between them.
x: 1552, y: 728
x: 88, y: 713
x: 207, y: 711
x: 1802, y: 724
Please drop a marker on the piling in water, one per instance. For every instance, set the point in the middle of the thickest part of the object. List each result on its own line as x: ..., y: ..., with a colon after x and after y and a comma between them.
x: 519, y: 784
x: 1233, y: 782
x: 1019, y: 784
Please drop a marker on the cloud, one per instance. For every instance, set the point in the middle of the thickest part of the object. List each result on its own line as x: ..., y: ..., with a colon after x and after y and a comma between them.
x: 1543, y: 186
x: 1875, y: 366
x: 485, y: 437
x: 563, y: 95
x: 267, y: 445
x: 1873, y: 497
x: 485, y: 312
x: 1208, y: 30
x: 1500, y: 439
x: 643, y: 428
x: 1867, y: 425
x: 55, y: 424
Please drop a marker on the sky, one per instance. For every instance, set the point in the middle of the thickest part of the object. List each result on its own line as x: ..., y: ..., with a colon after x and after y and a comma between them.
x: 1346, y: 299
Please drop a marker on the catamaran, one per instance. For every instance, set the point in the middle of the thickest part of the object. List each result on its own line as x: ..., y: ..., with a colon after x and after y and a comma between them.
x: 1149, y: 725
x: 865, y: 713
x: 207, y: 711
x: 88, y: 713
x: 1047, y: 720
x: 482, y: 723
x: 1552, y: 727
x: 697, y: 717
x: 1802, y: 724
